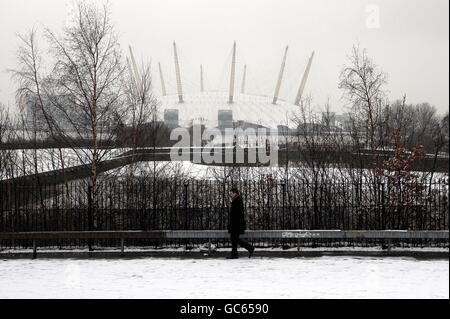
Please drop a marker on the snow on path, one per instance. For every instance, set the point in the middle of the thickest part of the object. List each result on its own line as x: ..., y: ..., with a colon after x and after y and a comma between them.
x: 319, y: 277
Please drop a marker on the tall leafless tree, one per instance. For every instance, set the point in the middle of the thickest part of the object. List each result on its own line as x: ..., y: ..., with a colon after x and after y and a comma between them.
x: 7, y: 163
x: 363, y: 84
x: 85, y: 87
x: 37, y: 119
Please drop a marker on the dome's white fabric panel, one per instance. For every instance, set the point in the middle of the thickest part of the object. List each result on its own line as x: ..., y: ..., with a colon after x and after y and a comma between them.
x: 204, y: 108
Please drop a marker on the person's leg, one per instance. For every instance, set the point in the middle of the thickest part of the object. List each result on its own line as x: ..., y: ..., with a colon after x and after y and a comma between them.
x: 234, y: 244
x: 245, y: 244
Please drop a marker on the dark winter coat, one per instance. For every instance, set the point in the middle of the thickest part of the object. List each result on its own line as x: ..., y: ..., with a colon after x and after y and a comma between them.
x: 237, y: 223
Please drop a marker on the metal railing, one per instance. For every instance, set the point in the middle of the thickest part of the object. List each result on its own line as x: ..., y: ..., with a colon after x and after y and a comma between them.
x: 203, y: 204
x: 385, y: 236
x: 173, y: 204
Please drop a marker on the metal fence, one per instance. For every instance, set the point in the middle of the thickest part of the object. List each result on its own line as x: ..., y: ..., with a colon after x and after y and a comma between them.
x: 148, y: 204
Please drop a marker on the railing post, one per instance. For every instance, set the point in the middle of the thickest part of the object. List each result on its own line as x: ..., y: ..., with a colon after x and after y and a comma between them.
x: 283, y: 185
x: 3, y: 196
x: 90, y: 215
x: 122, y: 247
x: 186, y: 185
x: 383, y: 207
x: 34, y: 249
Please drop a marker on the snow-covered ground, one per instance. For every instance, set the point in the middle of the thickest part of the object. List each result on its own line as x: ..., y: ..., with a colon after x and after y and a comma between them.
x: 259, y: 277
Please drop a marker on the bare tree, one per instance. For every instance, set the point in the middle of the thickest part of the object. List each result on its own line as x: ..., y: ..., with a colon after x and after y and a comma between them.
x: 440, y: 138
x: 7, y: 162
x: 363, y: 84
x: 85, y: 87
x: 141, y: 109
x: 37, y: 120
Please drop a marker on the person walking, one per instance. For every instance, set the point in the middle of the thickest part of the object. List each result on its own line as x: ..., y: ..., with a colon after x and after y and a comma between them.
x: 237, y: 224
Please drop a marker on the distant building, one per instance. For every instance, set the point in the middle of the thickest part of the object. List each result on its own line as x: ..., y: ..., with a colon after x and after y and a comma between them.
x: 171, y: 118
x: 225, y: 119
x: 343, y: 121
x: 62, y: 112
x: 283, y: 130
x: 33, y: 114
x: 329, y: 119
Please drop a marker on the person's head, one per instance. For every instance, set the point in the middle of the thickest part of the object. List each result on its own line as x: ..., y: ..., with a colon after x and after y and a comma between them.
x: 233, y: 192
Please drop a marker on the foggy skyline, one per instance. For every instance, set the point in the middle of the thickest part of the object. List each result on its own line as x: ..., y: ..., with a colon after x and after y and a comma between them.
x: 411, y: 43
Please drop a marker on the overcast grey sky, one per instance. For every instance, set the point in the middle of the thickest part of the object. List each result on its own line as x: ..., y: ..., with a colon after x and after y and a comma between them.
x: 411, y: 42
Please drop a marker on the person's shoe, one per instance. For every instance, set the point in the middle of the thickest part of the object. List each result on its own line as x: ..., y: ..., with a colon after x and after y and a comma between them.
x: 232, y: 257
x: 250, y: 252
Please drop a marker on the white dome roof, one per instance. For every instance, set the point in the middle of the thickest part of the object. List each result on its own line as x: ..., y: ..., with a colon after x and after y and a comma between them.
x: 204, y: 107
